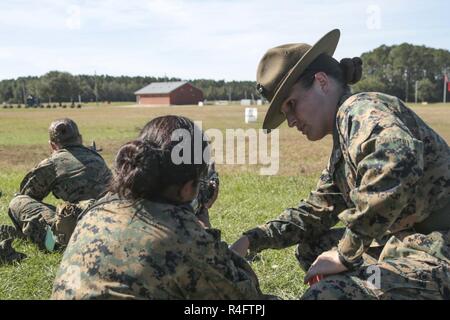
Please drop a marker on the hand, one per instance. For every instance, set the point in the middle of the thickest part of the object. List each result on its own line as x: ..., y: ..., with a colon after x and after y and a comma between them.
x: 327, y: 263
x: 241, y: 246
x: 209, y: 204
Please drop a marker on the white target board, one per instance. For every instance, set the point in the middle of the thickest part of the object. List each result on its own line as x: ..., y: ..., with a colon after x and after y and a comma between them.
x: 251, y: 115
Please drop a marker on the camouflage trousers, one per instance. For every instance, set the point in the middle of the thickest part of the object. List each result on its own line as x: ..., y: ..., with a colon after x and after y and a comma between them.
x: 409, y: 266
x: 33, y: 218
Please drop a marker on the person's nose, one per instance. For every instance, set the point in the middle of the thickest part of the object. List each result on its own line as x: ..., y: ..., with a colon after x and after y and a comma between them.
x: 291, y: 120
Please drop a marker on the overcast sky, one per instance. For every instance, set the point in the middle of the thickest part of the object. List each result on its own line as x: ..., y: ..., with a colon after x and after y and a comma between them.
x: 191, y: 39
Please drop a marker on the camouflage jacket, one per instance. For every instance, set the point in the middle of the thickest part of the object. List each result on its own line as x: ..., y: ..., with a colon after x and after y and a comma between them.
x: 72, y: 174
x: 147, y: 250
x: 388, y: 171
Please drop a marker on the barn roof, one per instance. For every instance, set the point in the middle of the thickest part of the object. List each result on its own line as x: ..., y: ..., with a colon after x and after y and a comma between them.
x: 160, y: 87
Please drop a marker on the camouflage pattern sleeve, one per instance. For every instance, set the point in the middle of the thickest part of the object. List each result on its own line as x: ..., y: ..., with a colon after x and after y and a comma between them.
x: 313, y: 217
x: 387, y: 162
x: 39, y: 181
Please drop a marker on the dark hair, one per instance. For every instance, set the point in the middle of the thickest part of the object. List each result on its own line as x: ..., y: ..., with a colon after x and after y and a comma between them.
x: 144, y: 168
x: 347, y: 71
x: 64, y: 132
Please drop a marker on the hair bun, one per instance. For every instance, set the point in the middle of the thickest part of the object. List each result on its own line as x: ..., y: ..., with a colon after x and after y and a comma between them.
x: 127, y: 155
x: 352, y: 69
x: 151, y: 157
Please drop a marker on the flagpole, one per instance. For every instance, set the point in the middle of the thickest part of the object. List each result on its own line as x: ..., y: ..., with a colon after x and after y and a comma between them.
x: 444, y: 99
x: 415, y: 100
x: 95, y: 88
x: 445, y: 89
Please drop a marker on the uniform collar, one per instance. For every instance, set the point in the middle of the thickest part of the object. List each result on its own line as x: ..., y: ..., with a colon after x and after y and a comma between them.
x: 72, y: 145
x: 344, y: 97
x: 336, y: 152
x: 341, y: 101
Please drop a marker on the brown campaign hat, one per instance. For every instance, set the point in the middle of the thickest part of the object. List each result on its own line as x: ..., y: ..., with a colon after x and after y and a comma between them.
x: 280, y: 68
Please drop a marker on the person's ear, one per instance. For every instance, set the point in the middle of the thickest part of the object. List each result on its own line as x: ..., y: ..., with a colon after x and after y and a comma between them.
x: 322, y: 80
x: 54, y: 146
x: 81, y: 139
x: 188, y: 191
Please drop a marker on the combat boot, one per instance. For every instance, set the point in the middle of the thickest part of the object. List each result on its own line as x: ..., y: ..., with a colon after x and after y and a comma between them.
x: 9, y: 232
x: 8, y: 254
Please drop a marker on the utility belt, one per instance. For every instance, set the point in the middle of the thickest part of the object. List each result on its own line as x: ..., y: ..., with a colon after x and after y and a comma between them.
x: 438, y: 220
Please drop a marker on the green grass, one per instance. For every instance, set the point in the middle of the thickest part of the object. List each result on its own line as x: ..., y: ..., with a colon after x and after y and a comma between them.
x: 246, y: 199
x: 31, y: 278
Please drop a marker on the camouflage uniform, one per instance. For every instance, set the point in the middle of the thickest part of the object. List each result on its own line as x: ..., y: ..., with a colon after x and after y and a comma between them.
x: 388, y: 182
x: 72, y: 174
x: 147, y: 250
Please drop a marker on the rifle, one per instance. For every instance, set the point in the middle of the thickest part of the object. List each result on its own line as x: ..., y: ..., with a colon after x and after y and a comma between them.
x: 94, y: 147
x: 208, y: 186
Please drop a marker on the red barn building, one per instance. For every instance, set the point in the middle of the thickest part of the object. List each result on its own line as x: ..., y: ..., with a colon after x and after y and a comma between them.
x: 169, y: 93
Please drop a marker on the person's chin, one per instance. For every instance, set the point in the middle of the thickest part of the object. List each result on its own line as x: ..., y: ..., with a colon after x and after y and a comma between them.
x: 312, y: 136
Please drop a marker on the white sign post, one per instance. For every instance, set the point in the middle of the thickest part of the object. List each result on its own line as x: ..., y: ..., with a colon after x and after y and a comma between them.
x: 251, y: 115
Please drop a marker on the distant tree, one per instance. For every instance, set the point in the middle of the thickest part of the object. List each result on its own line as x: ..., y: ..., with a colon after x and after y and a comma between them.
x: 58, y: 86
x: 7, y: 91
x: 395, y: 69
x: 370, y: 83
x: 425, y: 90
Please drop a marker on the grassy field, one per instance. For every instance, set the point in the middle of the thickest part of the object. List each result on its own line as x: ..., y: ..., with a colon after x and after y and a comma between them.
x: 23, y: 143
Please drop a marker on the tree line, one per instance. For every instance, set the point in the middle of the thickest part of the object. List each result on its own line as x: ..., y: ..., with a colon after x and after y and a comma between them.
x: 396, y: 70
x: 56, y: 86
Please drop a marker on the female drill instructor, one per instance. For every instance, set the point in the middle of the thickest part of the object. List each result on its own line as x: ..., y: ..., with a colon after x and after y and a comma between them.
x: 387, y: 181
